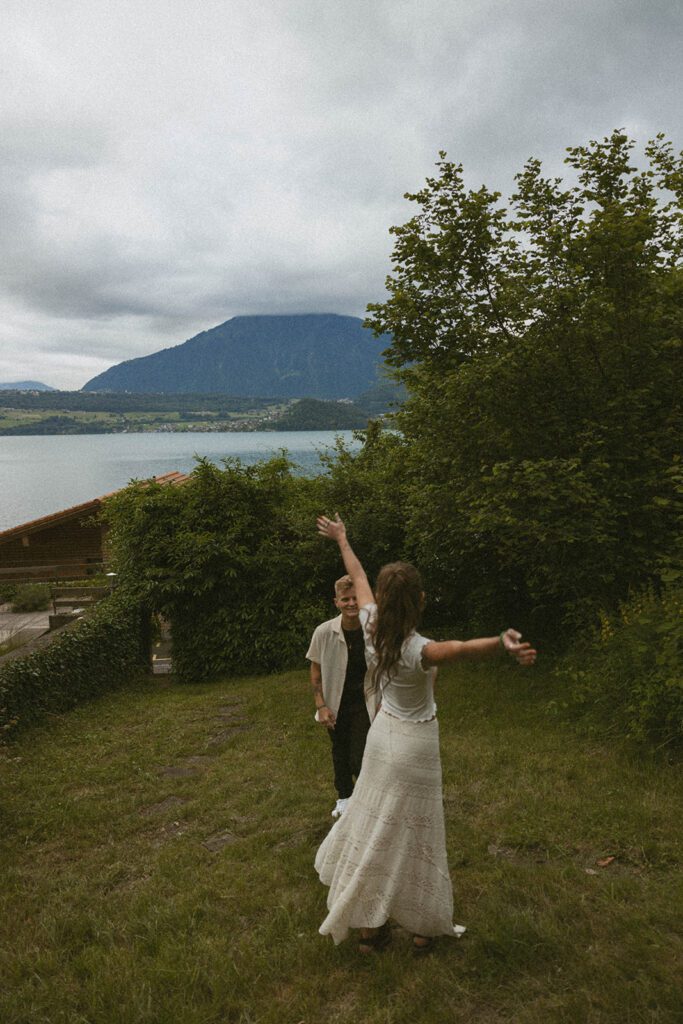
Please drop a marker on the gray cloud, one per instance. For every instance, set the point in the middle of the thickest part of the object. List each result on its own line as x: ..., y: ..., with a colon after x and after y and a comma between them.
x: 166, y: 166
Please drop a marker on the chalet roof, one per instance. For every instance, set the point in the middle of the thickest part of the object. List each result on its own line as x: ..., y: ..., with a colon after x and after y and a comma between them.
x: 34, y: 525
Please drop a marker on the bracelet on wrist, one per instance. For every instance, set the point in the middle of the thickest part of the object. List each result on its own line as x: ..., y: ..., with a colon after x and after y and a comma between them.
x: 500, y: 639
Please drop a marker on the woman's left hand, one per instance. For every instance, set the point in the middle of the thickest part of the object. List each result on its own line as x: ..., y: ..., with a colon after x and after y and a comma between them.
x: 523, y: 653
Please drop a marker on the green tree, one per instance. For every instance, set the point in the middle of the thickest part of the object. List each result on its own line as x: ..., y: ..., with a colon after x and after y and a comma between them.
x: 540, y: 343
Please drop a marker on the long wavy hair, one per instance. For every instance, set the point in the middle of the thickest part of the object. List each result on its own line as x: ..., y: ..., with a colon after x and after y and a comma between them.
x: 400, y: 597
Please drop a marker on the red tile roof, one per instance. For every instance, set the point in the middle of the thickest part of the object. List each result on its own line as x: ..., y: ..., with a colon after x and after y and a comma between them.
x: 87, y: 506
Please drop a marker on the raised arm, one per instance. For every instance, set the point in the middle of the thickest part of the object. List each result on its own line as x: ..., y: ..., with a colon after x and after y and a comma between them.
x: 436, y: 653
x: 335, y: 530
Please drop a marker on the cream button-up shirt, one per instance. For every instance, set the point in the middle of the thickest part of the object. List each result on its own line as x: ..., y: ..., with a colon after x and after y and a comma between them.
x: 328, y: 649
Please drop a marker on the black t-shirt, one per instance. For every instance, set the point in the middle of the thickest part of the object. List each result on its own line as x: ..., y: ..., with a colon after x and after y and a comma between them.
x: 356, y: 668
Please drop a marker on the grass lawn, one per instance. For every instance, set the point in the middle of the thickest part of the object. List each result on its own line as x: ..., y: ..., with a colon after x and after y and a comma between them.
x: 157, y: 865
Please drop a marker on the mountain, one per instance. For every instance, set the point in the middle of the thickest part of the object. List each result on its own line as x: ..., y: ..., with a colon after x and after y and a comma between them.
x: 317, y: 355
x: 26, y: 385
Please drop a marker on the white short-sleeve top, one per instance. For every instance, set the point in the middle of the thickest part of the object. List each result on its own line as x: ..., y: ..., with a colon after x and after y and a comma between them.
x: 408, y: 693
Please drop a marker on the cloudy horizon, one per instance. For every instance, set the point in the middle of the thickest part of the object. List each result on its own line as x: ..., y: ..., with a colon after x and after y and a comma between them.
x: 168, y: 167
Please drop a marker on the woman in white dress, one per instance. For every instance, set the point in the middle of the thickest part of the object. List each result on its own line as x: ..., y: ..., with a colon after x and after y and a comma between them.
x: 386, y: 856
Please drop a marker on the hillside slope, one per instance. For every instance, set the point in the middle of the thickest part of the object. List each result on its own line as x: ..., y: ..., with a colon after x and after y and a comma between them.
x: 158, y: 852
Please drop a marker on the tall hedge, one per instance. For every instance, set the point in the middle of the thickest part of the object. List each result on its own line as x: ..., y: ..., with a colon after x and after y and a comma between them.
x: 98, y: 653
x: 231, y: 560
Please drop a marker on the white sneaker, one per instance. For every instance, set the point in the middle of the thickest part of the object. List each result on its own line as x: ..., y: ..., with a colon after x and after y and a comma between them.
x: 340, y: 807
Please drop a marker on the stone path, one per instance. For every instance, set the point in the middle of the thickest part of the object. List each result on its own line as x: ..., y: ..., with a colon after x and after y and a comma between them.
x: 232, y: 721
x: 162, y: 662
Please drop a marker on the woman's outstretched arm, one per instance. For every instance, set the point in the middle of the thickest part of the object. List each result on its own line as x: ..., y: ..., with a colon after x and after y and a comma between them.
x: 335, y: 530
x: 436, y: 653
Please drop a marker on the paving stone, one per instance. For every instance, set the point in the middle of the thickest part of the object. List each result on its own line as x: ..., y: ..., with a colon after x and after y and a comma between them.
x: 226, y: 734
x: 163, y: 805
x: 217, y: 842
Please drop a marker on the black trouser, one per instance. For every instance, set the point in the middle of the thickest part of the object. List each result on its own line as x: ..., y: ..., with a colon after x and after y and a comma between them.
x: 348, y: 744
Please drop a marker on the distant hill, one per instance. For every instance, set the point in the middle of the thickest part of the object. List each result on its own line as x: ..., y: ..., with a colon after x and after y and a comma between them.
x: 314, y: 414
x: 317, y: 355
x: 25, y: 385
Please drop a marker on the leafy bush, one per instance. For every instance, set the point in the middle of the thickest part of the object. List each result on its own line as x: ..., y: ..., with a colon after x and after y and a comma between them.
x: 98, y: 653
x: 7, y: 592
x: 630, y: 677
x: 232, y: 558
x: 31, y: 597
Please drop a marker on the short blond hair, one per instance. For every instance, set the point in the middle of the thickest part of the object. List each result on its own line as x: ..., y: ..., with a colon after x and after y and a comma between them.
x: 343, y: 584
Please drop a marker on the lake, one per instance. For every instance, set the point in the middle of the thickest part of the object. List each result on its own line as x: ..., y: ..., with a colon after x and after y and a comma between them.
x: 44, y: 474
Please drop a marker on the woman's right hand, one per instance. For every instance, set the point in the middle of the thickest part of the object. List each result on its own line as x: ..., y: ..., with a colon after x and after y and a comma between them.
x: 332, y: 528
x: 335, y: 530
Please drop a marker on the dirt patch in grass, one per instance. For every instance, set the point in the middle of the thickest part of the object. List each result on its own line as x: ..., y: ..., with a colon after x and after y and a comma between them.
x: 171, y: 830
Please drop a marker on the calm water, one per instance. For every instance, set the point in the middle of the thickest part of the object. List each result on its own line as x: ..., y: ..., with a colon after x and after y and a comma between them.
x: 39, y: 475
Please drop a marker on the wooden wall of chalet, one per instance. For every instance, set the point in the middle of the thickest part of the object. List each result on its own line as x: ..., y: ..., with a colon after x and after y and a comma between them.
x: 70, y: 542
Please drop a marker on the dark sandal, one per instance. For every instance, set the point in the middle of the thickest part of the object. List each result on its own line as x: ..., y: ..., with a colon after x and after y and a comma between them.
x: 426, y: 946
x: 375, y: 943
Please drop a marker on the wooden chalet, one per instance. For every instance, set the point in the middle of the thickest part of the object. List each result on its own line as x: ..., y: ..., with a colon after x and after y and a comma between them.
x: 64, y: 545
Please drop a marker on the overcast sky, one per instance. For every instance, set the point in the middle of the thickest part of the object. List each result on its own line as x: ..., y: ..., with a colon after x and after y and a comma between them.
x: 170, y: 164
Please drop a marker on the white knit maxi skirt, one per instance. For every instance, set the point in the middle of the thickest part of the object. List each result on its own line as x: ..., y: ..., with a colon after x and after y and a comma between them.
x: 386, y: 856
